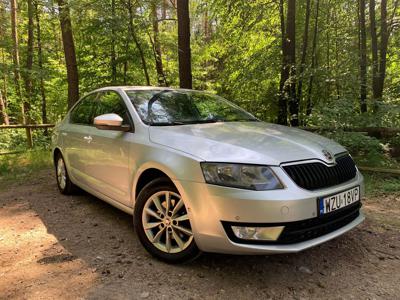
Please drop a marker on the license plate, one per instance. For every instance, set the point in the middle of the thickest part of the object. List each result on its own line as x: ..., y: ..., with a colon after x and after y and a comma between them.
x: 338, y: 201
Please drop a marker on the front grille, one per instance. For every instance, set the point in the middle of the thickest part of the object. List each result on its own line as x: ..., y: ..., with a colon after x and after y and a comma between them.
x: 304, y: 230
x: 316, y: 175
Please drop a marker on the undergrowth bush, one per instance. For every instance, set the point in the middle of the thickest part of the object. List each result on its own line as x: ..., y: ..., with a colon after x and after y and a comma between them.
x: 365, y: 149
x: 21, y: 165
x: 15, y: 140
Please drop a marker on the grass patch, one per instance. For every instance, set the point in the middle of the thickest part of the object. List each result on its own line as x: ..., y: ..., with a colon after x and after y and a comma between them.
x: 379, y: 183
x: 16, y: 167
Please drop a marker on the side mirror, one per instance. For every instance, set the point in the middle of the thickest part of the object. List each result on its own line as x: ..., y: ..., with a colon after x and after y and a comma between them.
x: 110, y: 122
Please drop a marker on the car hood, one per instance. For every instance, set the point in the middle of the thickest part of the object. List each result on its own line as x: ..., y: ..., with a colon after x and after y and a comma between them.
x: 245, y: 142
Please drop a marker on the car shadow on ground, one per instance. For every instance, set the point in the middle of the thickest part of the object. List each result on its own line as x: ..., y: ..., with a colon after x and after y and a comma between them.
x: 103, y: 238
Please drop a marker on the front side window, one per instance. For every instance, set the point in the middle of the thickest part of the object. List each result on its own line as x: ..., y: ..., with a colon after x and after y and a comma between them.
x: 111, y: 102
x: 83, y: 112
x: 174, y: 107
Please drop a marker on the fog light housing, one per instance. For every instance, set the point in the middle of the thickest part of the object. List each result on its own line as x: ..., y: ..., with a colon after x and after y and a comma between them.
x: 257, y: 233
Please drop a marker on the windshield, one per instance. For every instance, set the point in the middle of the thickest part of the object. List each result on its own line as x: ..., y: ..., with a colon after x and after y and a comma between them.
x: 176, y: 107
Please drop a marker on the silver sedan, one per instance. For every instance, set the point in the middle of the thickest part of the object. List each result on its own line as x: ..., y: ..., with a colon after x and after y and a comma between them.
x: 198, y: 173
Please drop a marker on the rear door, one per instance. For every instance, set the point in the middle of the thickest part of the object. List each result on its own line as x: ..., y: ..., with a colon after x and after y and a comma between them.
x: 77, y: 138
x: 108, y: 162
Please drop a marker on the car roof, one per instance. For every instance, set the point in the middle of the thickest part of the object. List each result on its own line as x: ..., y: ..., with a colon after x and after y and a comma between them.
x: 143, y: 88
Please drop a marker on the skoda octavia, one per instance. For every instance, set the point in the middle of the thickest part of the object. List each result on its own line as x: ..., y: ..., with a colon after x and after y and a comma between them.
x: 198, y: 173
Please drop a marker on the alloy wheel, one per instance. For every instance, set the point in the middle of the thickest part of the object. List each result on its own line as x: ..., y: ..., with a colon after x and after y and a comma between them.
x: 166, y: 223
x: 61, y: 174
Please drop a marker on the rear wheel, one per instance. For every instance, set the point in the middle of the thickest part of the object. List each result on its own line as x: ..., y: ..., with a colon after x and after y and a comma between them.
x: 162, y: 223
x: 64, y: 184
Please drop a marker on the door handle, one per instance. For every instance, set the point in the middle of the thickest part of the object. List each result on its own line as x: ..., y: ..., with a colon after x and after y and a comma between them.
x: 88, y: 138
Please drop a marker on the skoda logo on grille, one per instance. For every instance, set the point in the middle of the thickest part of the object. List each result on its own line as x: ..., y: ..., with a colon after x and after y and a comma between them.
x: 327, y: 155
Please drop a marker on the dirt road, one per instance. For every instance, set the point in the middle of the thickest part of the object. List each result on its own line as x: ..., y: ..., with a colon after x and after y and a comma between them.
x: 68, y: 247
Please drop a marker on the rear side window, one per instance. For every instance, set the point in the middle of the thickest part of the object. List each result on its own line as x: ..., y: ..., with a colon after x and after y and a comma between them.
x: 83, y: 112
x: 111, y: 102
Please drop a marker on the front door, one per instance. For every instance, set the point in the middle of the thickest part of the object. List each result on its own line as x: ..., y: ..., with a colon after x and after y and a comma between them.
x: 108, y: 163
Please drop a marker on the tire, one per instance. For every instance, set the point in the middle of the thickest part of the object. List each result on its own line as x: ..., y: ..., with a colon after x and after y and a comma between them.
x: 169, y: 235
x: 64, y: 183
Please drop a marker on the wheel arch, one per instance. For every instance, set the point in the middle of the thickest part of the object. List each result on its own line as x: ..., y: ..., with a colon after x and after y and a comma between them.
x: 149, y: 172
x: 56, y: 152
x: 147, y: 176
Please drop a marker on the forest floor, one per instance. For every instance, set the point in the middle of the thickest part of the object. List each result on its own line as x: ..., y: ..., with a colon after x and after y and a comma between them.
x: 67, y: 247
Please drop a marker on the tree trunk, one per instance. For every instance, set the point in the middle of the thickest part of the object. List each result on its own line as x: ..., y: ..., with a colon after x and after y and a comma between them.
x: 313, y: 62
x: 40, y: 64
x: 304, y: 50
x: 375, y: 59
x: 3, y: 100
x: 206, y: 25
x: 29, y: 61
x: 363, y: 57
x: 162, y: 80
x: 337, y: 57
x: 69, y: 52
x: 291, y: 60
x: 3, y: 89
x: 379, y: 51
x: 383, y: 52
x: 328, y: 50
x: 113, y: 55
x: 17, y: 74
x: 164, y: 9
x: 3, y: 113
x: 136, y: 41
x: 184, y: 52
x: 125, y: 66
x: 282, y: 102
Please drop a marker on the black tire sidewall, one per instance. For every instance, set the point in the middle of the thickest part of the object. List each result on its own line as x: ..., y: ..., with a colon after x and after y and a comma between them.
x: 69, y: 186
x: 157, y: 185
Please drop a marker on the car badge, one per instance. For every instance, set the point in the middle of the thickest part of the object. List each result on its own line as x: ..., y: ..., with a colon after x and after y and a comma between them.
x: 327, y: 155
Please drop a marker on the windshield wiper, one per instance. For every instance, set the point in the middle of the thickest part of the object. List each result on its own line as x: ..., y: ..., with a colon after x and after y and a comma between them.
x: 244, y: 120
x: 202, y: 121
x: 174, y: 123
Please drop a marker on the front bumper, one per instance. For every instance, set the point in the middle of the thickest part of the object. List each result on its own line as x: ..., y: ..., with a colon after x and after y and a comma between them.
x: 212, y: 206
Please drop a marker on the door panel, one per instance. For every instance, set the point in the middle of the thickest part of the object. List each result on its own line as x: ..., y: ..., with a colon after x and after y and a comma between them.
x: 76, y: 149
x: 108, y: 162
x: 77, y: 138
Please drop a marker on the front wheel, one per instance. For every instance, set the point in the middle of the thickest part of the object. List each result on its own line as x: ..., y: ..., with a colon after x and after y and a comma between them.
x: 64, y: 184
x: 162, y: 223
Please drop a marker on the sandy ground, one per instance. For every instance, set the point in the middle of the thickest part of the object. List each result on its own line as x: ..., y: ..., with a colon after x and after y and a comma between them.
x: 68, y: 247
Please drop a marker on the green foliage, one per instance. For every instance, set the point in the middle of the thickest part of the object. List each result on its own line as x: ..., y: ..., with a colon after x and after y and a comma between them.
x: 378, y: 183
x: 395, y: 141
x: 17, y: 167
x: 15, y: 140
x: 365, y: 149
x: 12, y: 140
x: 236, y: 52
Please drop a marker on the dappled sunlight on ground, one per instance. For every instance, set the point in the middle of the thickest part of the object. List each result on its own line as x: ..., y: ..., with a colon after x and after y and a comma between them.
x: 33, y: 263
x: 62, y: 247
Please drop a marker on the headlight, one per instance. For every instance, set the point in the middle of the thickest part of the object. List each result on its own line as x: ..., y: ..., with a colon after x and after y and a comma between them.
x: 252, y: 177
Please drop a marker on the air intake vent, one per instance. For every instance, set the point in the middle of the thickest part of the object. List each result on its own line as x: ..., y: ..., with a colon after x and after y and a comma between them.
x: 313, y: 176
